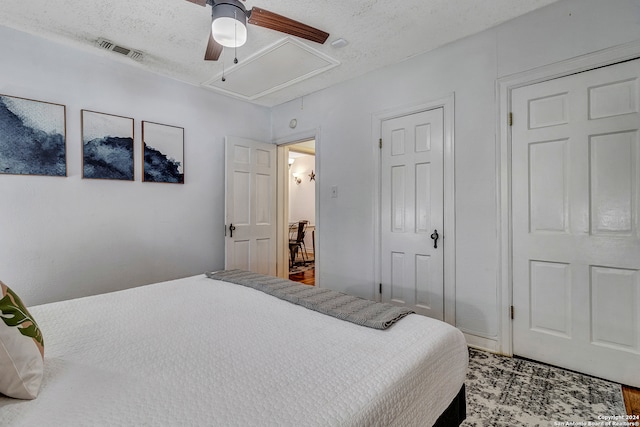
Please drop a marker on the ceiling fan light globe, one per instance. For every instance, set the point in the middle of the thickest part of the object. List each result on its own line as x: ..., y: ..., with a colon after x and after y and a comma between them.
x: 229, y: 32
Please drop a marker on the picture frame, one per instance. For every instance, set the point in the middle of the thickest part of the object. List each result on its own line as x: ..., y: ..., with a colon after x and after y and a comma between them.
x: 32, y: 137
x: 162, y: 153
x: 107, y: 146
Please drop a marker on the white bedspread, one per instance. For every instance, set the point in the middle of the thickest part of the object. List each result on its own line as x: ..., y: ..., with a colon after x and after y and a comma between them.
x: 199, y: 352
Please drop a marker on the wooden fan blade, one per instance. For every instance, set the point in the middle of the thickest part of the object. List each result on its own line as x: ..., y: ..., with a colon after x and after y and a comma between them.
x: 273, y: 21
x: 200, y: 2
x: 214, y: 49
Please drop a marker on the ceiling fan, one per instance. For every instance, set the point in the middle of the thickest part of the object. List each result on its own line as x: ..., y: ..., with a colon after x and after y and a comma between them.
x: 229, y: 28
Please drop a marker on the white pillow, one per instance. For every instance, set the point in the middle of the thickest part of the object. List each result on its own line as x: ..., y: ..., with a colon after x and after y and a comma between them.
x: 21, y: 348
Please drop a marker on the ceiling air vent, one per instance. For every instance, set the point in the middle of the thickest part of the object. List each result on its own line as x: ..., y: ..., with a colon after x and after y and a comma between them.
x: 108, y: 45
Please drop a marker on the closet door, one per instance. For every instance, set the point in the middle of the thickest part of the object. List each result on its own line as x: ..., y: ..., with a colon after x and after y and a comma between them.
x: 576, y: 238
x: 412, y: 212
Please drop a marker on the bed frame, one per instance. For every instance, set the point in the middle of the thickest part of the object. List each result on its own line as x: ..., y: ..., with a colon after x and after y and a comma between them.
x: 455, y: 413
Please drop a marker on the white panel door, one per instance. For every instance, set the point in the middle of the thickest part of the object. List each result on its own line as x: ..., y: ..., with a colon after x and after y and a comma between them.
x: 576, y: 240
x: 250, y: 194
x: 412, y: 212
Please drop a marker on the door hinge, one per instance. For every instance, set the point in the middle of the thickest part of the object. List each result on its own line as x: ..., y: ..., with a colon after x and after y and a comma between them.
x: 380, y: 143
x: 512, y: 312
x: 510, y: 119
x: 380, y: 288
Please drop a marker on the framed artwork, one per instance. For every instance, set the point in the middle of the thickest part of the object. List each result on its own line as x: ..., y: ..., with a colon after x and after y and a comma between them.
x: 32, y: 137
x: 107, y: 146
x: 163, y: 153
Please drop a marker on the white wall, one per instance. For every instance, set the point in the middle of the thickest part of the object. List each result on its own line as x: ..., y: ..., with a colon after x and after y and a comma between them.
x: 302, y: 197
x: 469, y: 68
x: 67, y: 237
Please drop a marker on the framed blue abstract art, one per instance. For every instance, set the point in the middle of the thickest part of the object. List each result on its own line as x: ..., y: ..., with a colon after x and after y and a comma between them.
x: 107, y: 146
x: 32, y: 137
x: 163, y: 153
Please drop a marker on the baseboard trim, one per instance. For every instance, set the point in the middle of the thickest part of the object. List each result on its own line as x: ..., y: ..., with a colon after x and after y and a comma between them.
x: 482, y: 343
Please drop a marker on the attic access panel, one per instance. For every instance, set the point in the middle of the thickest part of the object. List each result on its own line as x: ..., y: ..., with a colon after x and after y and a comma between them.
x: 280, y: 65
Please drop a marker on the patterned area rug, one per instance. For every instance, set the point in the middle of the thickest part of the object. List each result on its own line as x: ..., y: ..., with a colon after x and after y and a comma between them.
x: 504, y: 391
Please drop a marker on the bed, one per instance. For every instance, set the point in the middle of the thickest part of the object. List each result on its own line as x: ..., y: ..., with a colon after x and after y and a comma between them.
x: 199, y: 351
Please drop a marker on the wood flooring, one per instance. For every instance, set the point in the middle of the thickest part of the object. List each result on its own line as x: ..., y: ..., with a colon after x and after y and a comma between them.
x: 631, y: 400
x: 306, y: 277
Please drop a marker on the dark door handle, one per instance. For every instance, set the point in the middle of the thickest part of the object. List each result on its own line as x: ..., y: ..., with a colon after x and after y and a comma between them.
x: 231, y: 228
x: 435, y: 236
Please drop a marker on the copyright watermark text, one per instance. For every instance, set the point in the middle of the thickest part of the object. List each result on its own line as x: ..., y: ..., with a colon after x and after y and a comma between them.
x: 603, y: 421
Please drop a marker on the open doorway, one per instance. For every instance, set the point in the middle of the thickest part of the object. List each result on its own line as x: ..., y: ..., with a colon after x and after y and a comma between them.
x: 299, y: 211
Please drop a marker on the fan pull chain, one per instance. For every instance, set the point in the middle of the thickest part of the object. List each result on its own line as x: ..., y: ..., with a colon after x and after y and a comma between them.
x: 235, y: 37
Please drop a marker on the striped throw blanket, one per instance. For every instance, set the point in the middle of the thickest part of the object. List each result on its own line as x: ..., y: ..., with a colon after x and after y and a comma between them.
x: 337, y: 304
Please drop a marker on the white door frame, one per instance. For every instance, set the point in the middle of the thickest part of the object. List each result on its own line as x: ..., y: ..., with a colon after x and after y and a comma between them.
x: 282, y: 197
x: 504, y: 87
x: 447, y: 104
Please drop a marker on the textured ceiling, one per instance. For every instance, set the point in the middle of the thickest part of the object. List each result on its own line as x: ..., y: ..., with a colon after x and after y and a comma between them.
x: 173, y: 34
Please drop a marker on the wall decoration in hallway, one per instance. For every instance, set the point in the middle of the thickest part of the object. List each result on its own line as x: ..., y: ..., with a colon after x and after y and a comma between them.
x: 163, y: 153
x: 107, y: 146
x: 32, y: 137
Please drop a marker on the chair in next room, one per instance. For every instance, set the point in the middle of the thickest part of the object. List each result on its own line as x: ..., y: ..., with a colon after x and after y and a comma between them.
x: 297, y: 242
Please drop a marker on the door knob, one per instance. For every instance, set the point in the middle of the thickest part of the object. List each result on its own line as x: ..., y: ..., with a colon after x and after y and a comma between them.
x: 435, y: 236
x: 231, y: 228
